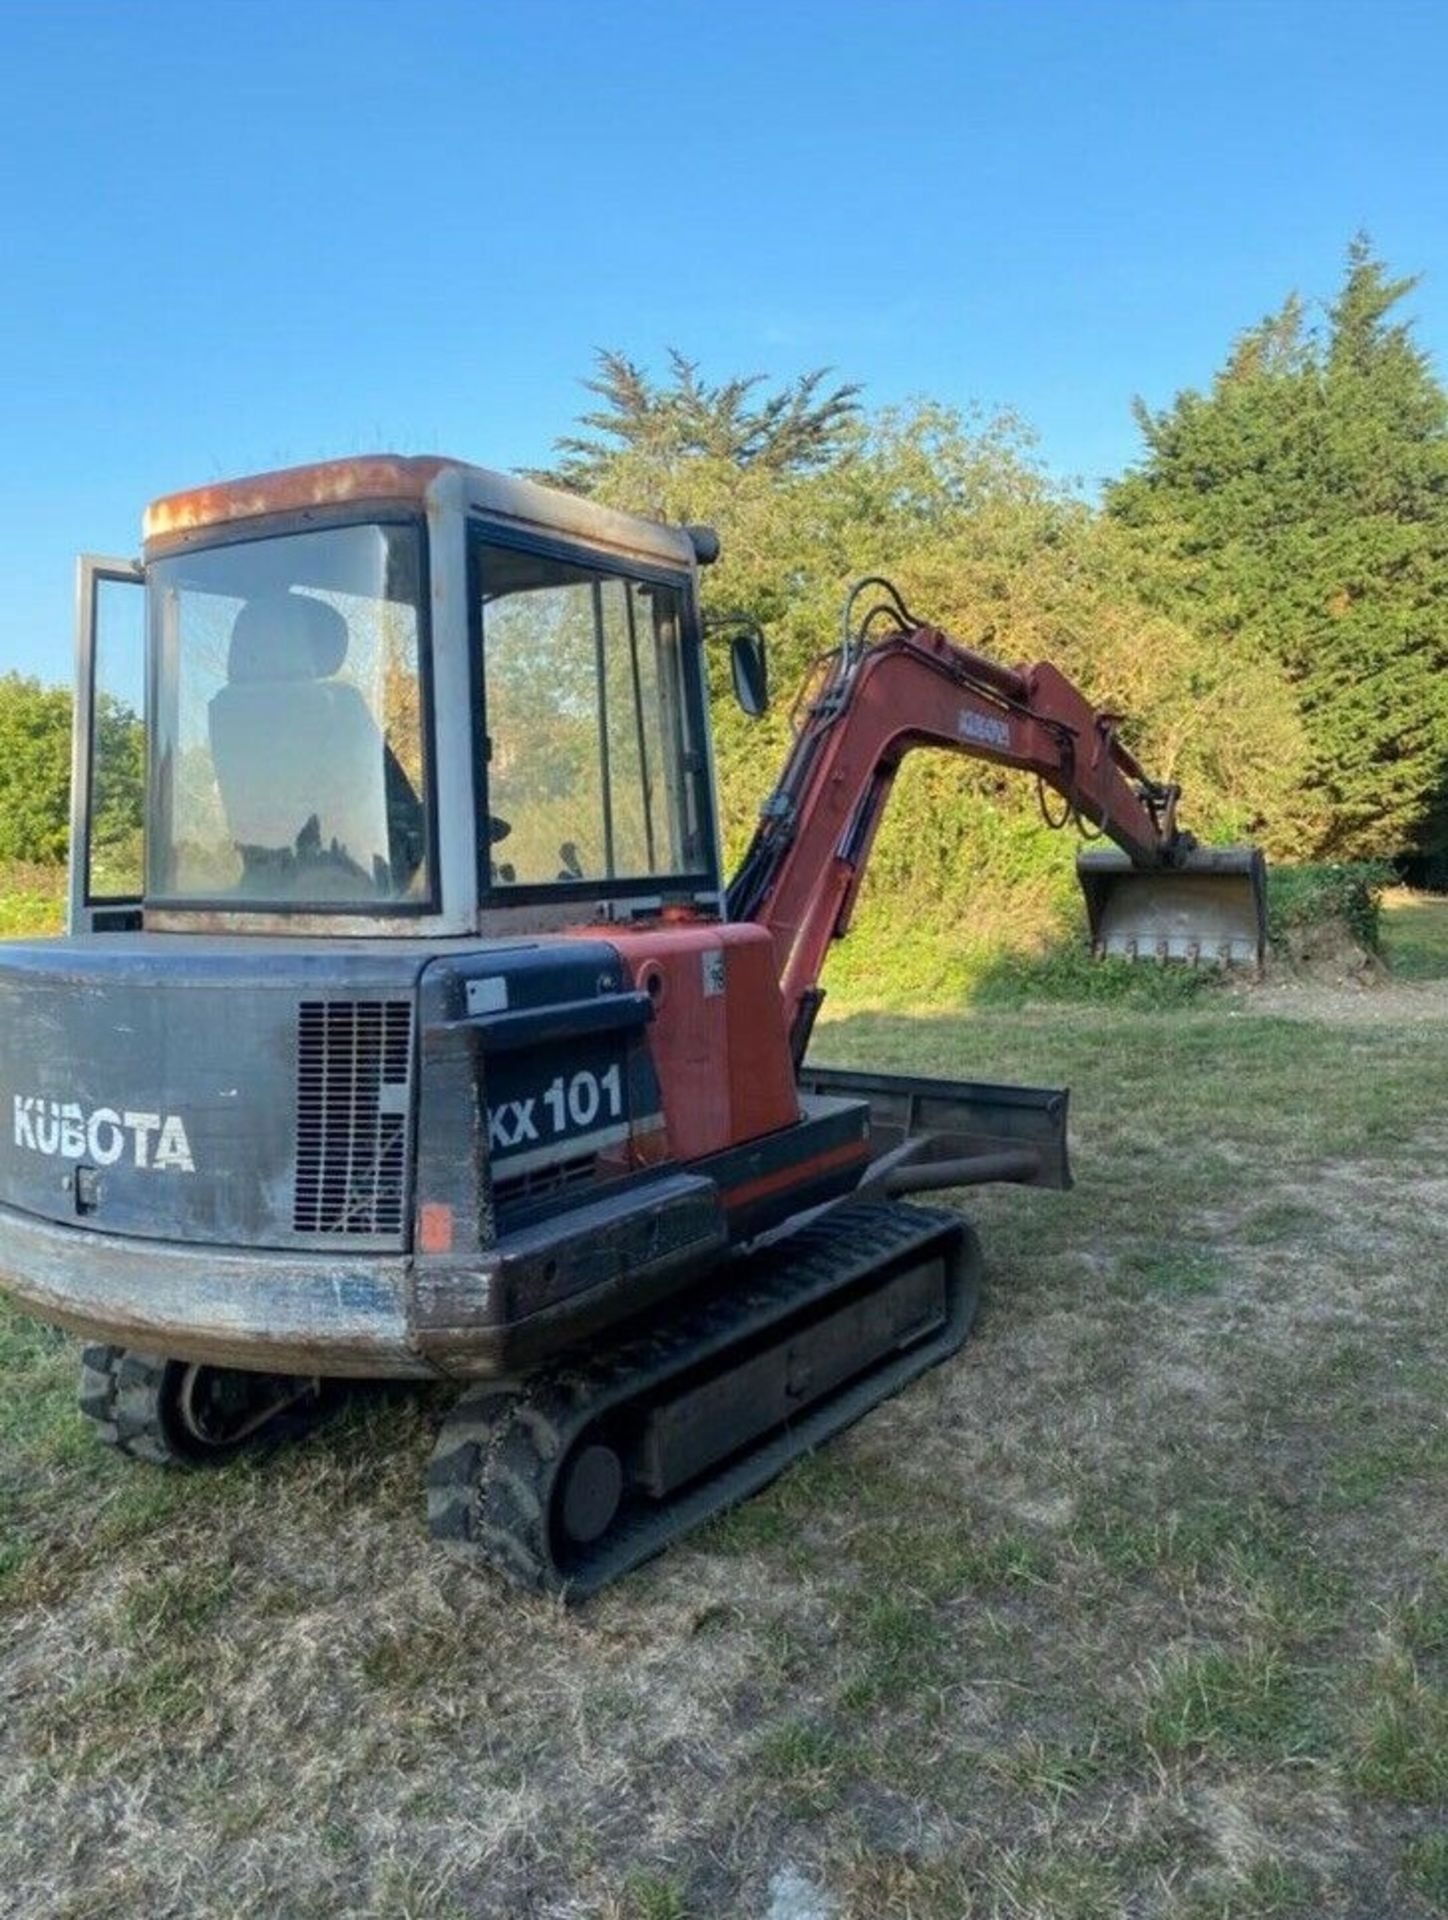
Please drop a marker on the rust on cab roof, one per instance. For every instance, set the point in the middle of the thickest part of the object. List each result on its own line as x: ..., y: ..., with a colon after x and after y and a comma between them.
x: 379, y: 476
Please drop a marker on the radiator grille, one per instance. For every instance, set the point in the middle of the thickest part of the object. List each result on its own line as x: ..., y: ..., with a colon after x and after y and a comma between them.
x: 354, y: 1067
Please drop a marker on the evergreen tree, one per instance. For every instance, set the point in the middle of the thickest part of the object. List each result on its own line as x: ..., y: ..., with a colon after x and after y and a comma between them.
x: 794, y: 430
x: 1300, y: 509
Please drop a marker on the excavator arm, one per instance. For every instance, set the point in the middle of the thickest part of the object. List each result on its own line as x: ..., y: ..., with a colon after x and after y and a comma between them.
x: 916, y: 687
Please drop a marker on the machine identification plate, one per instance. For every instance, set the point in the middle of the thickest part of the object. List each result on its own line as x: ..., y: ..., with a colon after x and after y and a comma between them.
x: 985, y: 729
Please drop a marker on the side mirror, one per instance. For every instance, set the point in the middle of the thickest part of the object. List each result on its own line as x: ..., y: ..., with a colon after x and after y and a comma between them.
x: 750, y: 671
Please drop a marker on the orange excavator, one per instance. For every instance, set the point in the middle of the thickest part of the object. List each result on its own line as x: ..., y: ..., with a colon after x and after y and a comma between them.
x: 412, y: 1032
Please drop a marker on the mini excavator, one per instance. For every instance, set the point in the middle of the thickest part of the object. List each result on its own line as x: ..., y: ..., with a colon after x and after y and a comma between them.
x: 405, y: 1027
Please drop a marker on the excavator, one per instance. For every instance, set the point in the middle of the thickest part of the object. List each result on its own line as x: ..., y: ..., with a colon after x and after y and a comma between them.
x: 405, y: 1027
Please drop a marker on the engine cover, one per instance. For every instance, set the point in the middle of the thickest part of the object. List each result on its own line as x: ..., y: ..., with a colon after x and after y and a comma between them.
x: 257, y: 1093
x: 244, y: 1093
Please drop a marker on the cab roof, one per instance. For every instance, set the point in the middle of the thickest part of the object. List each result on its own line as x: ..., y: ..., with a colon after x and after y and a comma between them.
x: 425, y: 480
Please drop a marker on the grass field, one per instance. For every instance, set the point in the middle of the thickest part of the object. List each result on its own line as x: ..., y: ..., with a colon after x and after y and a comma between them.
x: 1416, y: 932
x: 32, y: 899
x: 1138, y: 1607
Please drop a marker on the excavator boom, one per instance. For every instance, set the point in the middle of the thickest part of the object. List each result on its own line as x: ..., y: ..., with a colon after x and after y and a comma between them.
x: 1160, y: 896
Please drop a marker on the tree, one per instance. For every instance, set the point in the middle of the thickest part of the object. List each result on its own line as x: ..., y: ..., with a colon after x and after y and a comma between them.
x: 34, y: 770
x: 35, y: 779
x: 796, y: 429
x: 1299, y: 509
x: 956, y: 509
x: 118, y: 776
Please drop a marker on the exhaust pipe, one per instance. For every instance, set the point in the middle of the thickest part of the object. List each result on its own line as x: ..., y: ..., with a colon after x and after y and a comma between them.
x: 1212, y: 908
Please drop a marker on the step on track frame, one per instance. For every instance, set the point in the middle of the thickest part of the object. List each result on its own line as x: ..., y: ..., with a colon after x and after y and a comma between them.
x: 568, y: 1479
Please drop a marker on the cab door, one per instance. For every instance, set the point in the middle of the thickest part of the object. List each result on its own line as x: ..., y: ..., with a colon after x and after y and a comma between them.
x: 108, y: 747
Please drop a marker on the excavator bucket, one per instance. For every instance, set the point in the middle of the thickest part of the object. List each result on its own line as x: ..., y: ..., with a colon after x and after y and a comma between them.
x: 1211, y: 910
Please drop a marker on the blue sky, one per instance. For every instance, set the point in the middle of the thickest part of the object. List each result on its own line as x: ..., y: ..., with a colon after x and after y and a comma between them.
x: 237, y: 234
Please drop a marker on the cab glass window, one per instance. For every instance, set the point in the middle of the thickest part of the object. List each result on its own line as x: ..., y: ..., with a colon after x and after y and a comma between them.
x: 591, y: 772
x: 114, y: 849
x: 289, y: 756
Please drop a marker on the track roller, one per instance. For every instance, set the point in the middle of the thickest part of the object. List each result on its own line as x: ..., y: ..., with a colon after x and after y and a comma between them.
x: 569, y: 1478
x: 175, y: 1413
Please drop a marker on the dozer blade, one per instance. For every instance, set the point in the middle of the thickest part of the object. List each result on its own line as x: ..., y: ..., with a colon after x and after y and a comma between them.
x: 1212, y: 909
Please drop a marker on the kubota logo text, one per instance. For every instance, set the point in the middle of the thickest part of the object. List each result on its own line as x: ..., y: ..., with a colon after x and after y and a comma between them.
x: 65, y: 1131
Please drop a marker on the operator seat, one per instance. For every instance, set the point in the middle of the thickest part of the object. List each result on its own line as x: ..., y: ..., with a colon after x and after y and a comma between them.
x: 299, y: 757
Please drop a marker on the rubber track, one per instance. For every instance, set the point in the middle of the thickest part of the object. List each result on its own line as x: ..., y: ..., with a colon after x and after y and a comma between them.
x: 125, y: 1394
x: 120, y: 1390
x: 491, y: 1478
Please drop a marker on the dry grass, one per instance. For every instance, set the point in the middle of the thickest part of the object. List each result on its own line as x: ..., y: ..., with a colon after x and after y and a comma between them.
x: 1139, y: 1607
